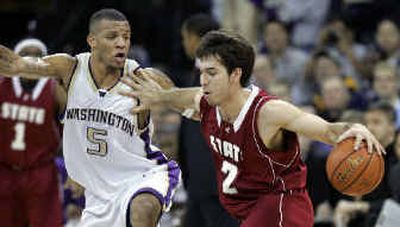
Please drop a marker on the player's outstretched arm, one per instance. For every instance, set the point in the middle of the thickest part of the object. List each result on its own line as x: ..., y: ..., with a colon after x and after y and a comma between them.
x: 312, y: 126
x: 58, y: 65
x: 151, y: 94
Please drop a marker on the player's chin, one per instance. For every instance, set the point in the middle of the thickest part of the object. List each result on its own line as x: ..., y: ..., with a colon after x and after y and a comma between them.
x: 117, y: 65
x: 211, y: 101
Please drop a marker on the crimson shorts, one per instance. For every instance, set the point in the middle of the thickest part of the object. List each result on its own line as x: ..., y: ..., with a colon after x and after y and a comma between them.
x: 291, y: 209
x: 30, y: 196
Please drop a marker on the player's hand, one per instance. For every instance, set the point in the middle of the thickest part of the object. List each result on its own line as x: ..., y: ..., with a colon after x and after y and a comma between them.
x: 143, y: 88
x: 76, y: 189
x: 10, y: 63
x: 360, y: 132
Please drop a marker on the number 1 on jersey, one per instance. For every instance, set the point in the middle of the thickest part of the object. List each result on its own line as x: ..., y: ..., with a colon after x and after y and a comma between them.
x: 231, y: 171
x: 18, y: 144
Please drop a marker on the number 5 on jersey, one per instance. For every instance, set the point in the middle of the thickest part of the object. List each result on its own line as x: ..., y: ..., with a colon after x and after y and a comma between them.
x: 231, y: 171
x: 98, y: 144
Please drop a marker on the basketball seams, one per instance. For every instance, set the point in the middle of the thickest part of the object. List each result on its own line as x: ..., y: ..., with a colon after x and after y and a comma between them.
x: 382, y: 171
x: 338, y: 165
x: 359, y: 175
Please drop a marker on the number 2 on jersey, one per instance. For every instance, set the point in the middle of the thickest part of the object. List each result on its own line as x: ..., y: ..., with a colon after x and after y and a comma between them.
x: 18, y: 144
x: 94, y: 136
x: 231, y: 171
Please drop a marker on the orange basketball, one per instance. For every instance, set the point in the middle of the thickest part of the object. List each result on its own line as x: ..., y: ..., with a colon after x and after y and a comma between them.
x: 354, y: 173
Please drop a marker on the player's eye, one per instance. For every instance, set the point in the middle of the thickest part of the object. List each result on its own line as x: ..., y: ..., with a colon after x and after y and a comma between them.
x: 110, y: 36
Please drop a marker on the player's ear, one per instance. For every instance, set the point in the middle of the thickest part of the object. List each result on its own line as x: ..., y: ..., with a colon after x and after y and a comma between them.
x: 91, y: 40
x: 236, y: 75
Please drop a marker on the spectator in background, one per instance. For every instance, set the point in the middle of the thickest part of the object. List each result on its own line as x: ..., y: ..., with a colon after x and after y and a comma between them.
x: 203, y: 208
x: 320, y: 67
x: 281, y: 89
x: 241, y: 16
x: 263, y: 74
x: 287, y: 62
x: 335, y: 98
x: 385, y: 87
x: 388, y: 41
x: 29, y: 188
x: 395, y: 171
x: 305, y: 16
x: 338, y: 40
x: 387, y: 44
x: 356, y: 212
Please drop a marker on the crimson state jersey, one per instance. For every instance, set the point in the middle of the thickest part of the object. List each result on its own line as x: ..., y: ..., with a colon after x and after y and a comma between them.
x: 29, y: 135
x: 246, y: 169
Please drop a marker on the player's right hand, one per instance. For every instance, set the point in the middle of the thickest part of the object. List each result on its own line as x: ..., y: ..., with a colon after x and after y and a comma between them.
x: 10, y: 63
x: 144, y: 88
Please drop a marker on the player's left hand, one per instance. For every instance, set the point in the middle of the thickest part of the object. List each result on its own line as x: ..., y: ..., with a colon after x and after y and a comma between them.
x: 360, y: 132
x: 10, y: 63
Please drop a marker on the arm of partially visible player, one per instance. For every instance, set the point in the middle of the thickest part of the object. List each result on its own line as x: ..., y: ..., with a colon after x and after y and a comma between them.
x: 151, y: 94
x: 58, y: 65
x: 312, y: 126
x: 61, y: 99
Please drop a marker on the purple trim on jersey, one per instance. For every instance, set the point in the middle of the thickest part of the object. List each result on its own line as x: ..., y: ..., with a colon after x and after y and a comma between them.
x: 173, y: 175
x: 140, y: 191
x: 152, y: 155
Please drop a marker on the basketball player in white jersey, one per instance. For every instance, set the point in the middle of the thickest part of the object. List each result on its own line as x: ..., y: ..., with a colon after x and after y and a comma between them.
x: 107, y: 150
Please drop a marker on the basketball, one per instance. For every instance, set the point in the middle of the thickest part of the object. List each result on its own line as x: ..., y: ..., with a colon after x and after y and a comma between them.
x: 354, y: 173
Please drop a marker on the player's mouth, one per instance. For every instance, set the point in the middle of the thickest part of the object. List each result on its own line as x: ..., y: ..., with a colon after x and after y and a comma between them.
x: 120, y: 58
x: 206, y: 94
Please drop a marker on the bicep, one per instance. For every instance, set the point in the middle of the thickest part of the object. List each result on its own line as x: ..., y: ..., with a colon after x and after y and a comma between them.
x: 295, y: 120
x: 61, y: 98
x: 61, y: 65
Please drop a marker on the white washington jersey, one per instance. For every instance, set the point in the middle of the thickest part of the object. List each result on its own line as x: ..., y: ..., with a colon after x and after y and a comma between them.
x: 103, y: 148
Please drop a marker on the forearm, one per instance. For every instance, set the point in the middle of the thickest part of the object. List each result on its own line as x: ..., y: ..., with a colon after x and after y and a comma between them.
x: 35, y: 70
x: 181, y: 98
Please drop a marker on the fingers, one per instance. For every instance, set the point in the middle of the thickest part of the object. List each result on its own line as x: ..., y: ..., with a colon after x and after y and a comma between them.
x: 379, y: 148
x: 344, y: 136
x: 357, y: 142
x: 130, y: 94
x: 370, y: 145
x: 131, y: 83
x: 138, y: 109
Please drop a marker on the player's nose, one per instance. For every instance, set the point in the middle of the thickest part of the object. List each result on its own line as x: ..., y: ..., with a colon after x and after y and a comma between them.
x: 120, y: 42
x: 203, y: 79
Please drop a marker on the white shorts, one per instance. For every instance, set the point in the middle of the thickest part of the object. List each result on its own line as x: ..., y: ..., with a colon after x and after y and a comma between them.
x: 160, y: 181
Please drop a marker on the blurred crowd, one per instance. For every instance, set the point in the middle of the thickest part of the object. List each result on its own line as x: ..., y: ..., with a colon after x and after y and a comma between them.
x: 339, y: 59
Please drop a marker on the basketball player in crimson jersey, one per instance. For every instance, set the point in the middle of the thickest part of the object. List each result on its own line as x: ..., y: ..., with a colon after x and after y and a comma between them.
x: 29, y: 109
x: 252, y: 134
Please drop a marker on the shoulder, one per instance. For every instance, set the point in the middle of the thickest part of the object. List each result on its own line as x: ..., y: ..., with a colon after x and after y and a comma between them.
x: 132, y: 64
x: 59, y: 58
x: 278, y: 112
x: 64, y: 65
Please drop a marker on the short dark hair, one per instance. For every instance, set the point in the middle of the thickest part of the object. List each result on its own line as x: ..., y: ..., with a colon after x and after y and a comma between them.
x: 384, y: 107
x: 200, y: 24
x: 232, y: 49
x: 105, y: 14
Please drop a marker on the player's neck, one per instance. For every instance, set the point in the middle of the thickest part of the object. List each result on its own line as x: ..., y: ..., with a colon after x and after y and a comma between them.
x: 231, y: 107
x: 104, y: 76
x: 28, y: 85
